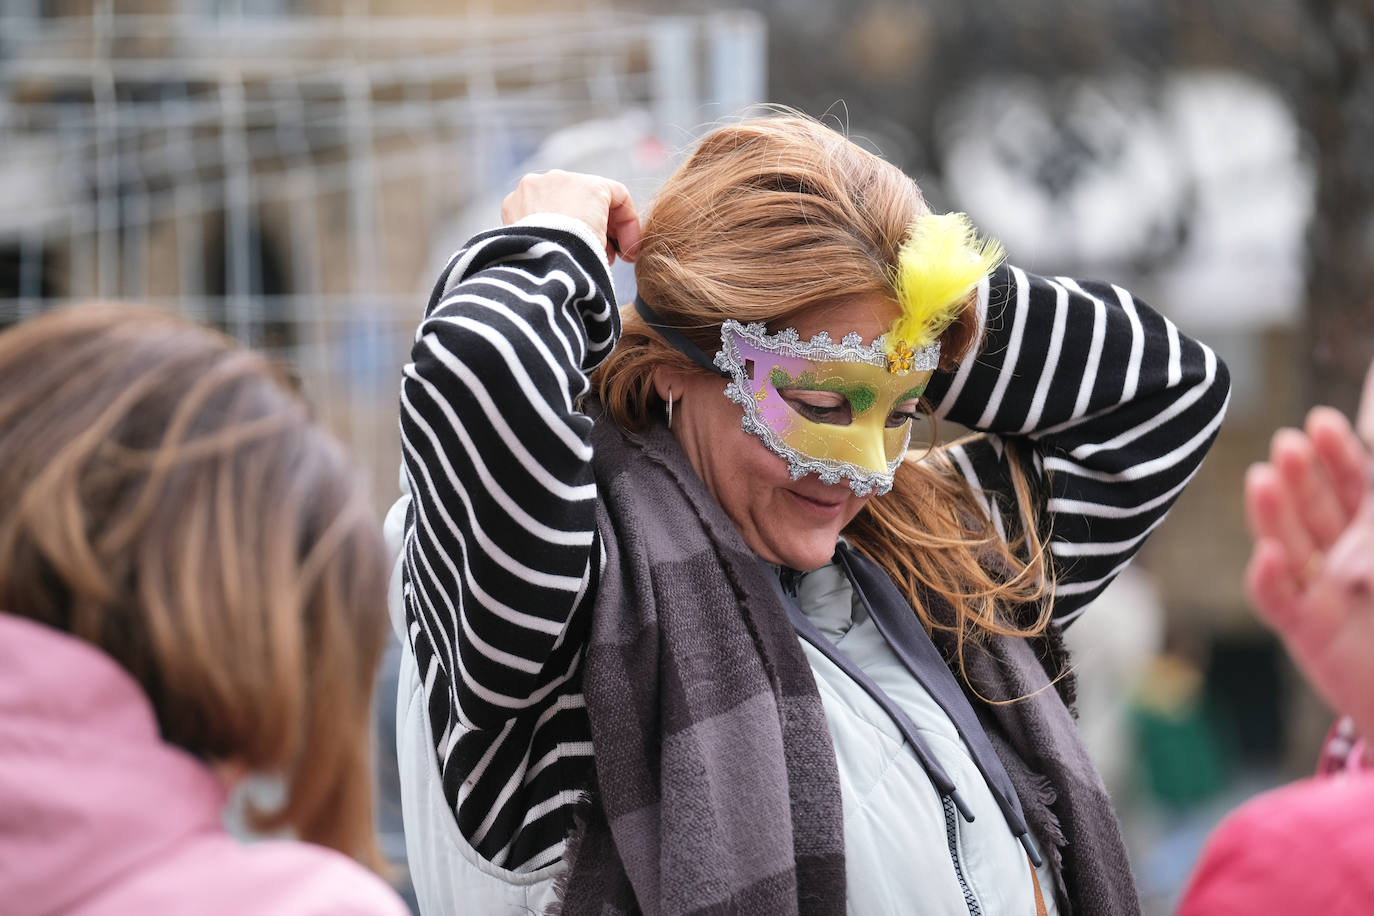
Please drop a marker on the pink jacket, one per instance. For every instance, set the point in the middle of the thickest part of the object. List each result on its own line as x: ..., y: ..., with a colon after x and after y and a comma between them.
x: 99, y: 817
x: 1306, y: 849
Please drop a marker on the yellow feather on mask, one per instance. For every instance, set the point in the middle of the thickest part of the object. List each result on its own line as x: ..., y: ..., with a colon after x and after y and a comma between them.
x: 939, y: 264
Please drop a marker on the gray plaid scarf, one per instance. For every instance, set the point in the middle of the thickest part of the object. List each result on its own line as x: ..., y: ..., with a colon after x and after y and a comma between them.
x: 716, y: 785
x: 1061, y: 791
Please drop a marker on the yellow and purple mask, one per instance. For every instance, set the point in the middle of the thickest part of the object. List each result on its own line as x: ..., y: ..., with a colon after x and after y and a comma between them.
x: 840, y: 410
x: 843, y: 410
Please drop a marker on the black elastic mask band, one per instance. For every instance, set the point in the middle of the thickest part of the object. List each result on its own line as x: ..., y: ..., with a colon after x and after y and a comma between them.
x: 675, y: 339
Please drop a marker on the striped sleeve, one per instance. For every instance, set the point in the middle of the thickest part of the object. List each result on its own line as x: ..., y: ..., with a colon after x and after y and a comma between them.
x: 500, y: 556
x: 1118, y: 407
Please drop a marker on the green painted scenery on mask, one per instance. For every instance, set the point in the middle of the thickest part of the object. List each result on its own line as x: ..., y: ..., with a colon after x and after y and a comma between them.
x: 861, y: 397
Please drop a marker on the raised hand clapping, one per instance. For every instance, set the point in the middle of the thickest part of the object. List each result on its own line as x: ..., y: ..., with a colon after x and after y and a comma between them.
x: 1311, y: 573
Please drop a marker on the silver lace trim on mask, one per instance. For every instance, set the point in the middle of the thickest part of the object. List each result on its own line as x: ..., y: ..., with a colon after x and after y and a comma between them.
x: 821, y: 347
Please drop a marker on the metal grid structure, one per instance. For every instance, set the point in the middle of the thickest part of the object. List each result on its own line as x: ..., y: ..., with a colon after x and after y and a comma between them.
x: 292, y: 175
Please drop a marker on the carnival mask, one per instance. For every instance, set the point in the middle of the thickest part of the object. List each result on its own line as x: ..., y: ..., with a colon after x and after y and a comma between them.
x: 843, y: 410
x: 839, y: 410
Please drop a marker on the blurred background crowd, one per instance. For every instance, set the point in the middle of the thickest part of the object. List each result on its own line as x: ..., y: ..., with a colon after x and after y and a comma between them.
x: 293, y: 172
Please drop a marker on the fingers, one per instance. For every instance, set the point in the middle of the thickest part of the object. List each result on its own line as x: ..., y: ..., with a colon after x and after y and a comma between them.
x: 1312, y: 485
x: 604, y: 205
x: 1342, y: 456
x: 622, y: 222
x: 1310, y: 490
x: 1272, y: 514
x: 1306, y: 507
x: 1271, y: 585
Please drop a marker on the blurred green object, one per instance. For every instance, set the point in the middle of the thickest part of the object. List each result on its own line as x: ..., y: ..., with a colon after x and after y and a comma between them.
x: 1181, y: 758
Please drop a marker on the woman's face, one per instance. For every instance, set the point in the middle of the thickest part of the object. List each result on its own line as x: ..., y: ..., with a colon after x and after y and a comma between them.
x: 790, y: 522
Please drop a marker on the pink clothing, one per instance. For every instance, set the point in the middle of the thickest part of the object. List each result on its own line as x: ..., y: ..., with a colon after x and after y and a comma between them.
x: 1306, y: 849
x: 100, y: 817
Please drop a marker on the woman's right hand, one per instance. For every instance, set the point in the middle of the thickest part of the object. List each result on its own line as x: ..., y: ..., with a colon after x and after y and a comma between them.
x: 604, y: 205
x: 1311, y: 572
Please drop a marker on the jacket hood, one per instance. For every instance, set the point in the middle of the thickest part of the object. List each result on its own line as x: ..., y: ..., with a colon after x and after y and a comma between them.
x: 88, y: 789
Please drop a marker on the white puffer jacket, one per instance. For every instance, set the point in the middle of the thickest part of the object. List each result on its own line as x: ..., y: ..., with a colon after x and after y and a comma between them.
x: 900, y: 848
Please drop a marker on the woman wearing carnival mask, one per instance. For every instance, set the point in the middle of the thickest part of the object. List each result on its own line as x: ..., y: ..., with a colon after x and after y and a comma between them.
x: 696, y: 633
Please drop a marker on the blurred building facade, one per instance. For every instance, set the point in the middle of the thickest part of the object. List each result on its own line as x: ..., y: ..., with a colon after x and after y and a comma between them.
x: 292, y: 171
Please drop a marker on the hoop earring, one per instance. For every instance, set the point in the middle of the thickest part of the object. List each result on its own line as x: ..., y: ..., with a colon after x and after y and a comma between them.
x: 670, y: 408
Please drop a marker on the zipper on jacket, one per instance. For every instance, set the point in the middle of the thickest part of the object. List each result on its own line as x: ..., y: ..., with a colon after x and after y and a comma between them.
x: 952, y: 837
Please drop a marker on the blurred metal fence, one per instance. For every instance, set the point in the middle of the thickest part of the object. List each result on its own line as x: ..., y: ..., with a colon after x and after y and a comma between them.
x: 293, y: 177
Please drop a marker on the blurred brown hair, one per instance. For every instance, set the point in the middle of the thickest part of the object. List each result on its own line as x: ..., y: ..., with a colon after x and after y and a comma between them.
x: 167, y: 499
x: 769, y: 217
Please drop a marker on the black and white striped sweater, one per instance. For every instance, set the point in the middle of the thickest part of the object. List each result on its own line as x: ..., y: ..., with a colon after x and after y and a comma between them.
x: 501, y: 554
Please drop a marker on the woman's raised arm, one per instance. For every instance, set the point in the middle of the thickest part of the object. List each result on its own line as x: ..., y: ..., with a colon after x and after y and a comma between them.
x: 1118, y: 407
x: 499, y: 541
